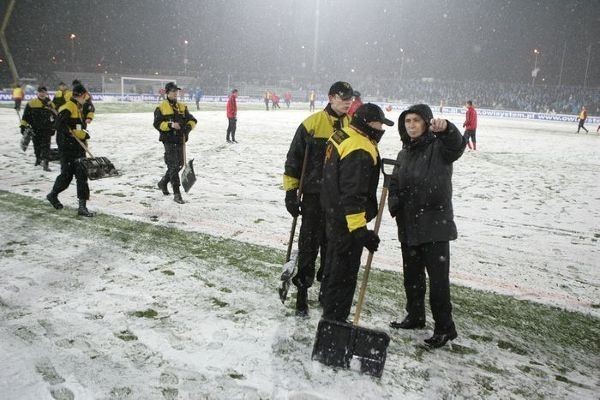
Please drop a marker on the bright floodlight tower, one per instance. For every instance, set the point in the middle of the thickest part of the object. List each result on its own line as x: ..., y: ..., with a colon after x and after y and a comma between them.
x: 11, y: 63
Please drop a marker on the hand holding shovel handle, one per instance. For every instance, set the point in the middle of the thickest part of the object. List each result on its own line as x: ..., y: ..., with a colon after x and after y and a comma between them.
x: 363, y: 287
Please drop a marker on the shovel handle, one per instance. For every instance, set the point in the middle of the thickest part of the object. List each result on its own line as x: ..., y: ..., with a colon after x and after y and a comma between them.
x: 82, y: 144
x: 295, y: 220
x: 363, y: 286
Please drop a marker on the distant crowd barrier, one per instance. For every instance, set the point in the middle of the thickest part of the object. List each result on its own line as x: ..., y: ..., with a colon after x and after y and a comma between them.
x: 6, y: 96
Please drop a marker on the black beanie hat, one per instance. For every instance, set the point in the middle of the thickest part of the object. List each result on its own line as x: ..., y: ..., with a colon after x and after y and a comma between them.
x: 78, y: 90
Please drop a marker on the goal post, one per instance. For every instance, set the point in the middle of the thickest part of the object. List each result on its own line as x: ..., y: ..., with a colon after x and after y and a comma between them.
x: 132, y: 79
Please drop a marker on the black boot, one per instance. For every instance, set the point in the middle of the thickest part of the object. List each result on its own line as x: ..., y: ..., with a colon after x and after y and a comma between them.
x: 37, y: 161
x: 162, y: 185
x: 53, y: 199
x: 409, y: 322
x: 177, y: 197
x: 82, y: 210
x: 45, y: 165
x: 302, y: 302
x: 440, y: 339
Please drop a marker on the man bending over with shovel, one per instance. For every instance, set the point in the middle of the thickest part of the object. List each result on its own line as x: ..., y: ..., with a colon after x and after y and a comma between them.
x: 174, y: 123
x: 349, y: 198
x: 70, y: 124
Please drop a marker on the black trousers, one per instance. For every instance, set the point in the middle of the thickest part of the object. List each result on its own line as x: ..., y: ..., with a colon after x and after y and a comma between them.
x: 435, y: 258
x: 310, y: 241
x: 231, y: 128
x: 339, y: 283
x: 174, y: 162
x: 18, y: 105
x: 41, y: 144
x: 470, y: 134
x: 580, y: 125
x: 267, y: 104
x: 71, y: 167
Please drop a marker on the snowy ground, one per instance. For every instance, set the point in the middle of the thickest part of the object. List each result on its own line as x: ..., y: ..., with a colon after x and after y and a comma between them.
x: 527, y: 203
x: 126, y: 310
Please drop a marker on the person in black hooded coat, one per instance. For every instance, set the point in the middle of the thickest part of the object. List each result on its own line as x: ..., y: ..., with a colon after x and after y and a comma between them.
x: 420, y: 198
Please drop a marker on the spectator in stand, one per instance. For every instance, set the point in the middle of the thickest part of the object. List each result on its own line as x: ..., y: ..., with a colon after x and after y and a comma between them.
x: 161, y: 94
x: 582, y: 117
x: 288, y: 98
x: 311, y: 101
x: 470, y: 126
x: 18, y: 95
x: 357, y: 102
x: 232, y: 116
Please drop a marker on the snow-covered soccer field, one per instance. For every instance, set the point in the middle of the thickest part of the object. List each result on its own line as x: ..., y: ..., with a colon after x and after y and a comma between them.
x: 527, y: 206
x: 527, y: 203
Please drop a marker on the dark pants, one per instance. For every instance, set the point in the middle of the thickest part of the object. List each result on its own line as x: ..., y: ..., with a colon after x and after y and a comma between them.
x: 18, y: 104
x: 435, y: 258
x: 231, y: 128
x: 470, y: 134
x: 174, y: 161
x: 41, y: 144
x: 311, y: 106
x: 311, y: 240
x: 69, y: 167
x: 339, y: 284
x: 580, y: 126
x: 267, y: 104
x: 197, y: 105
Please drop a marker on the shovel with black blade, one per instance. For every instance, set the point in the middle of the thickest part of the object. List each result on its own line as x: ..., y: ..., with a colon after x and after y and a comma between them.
x: 291, y: 258
x: 96, y: 167
x: 338, y: 343
x: 188, y: 176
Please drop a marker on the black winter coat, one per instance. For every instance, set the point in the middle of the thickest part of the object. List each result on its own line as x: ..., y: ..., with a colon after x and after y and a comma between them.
x: 420, y: 192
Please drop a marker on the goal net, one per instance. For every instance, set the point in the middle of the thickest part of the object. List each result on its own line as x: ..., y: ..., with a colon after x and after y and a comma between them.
x: 132, y: 88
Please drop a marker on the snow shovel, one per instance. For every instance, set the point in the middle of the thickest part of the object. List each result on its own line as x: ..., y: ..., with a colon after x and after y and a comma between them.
x: 291, y: 258
x: 337, y: 343
x: 188, y: 176
x: 26, y: 138
x: 96, y: 167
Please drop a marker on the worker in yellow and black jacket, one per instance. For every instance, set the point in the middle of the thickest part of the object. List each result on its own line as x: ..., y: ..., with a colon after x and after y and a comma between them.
x: 312, y: 136
x: 88, y: 108
x: 62, y: 95
x: 70, y: 123
x: 39, y: 116
x: 174, y: 123
x: 349, y: 198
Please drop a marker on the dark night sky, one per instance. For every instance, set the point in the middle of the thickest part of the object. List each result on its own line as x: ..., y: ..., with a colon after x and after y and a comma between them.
x: 449, y: 39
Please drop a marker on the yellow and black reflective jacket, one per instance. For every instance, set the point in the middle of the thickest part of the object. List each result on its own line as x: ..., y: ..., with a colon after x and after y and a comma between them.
x: 39, y: 114
x: 168, y: 112
x: 350, y: 179
x: 70, y: 122
x: 315, y: 130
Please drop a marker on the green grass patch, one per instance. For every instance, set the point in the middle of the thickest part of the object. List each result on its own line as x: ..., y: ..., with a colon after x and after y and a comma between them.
x: 149, y: 313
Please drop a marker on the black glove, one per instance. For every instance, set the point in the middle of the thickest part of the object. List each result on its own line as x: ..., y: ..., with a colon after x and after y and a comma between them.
x: 367, y: 239
x: 292, y: 203
x: 393, y: 205
x: 23, y: 129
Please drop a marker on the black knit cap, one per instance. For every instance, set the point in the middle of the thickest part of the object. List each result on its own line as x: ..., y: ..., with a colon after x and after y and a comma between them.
x: 42, y: 89
x: 171, y: 87
x: 342, y: 89
x: 78, y: 90
x: 370, y: 112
